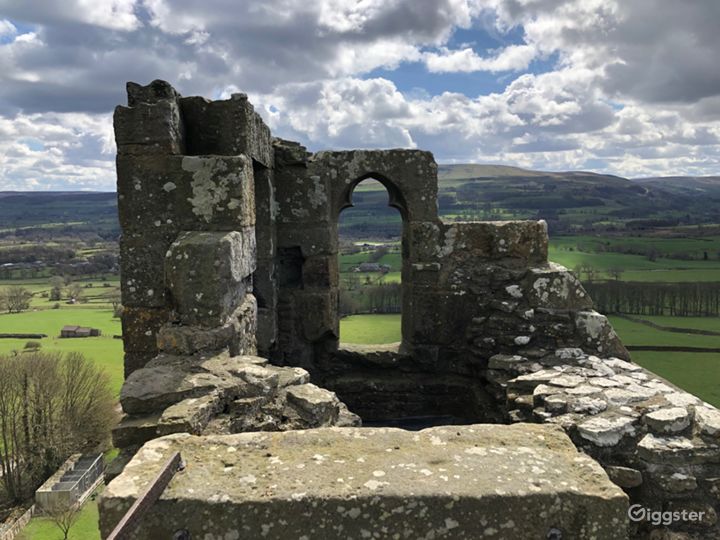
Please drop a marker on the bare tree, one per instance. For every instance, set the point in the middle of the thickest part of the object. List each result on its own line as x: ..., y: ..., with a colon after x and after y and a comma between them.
x: 56, y: 288
x: 74, y: 291
x: 616, y: 273
x: 64, y: 516
x: 15, y: 299
x: 50, y: 406
x: 117, y: 306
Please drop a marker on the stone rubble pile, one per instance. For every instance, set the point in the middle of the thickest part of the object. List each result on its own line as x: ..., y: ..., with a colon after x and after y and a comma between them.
x: 220, y: 394
x: 659, y: 443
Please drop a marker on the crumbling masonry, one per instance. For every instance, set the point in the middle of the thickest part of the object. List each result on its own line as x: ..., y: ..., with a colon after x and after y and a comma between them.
x: 229, y: 259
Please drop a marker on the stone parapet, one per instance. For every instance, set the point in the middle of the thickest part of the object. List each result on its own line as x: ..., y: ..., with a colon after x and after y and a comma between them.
x: 449, y: 482
x: 659, y: 443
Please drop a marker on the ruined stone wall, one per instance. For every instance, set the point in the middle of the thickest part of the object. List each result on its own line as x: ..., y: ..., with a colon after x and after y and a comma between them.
x: 186, y: 200
x: 230, y: 248
x: 195, y: 196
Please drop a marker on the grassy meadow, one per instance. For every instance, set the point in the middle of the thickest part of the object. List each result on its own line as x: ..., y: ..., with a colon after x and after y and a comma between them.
x: 85, y: 528
x: 104, y: 350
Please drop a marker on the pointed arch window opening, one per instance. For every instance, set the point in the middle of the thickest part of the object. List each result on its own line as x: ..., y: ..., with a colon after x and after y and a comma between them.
x: 370, y: 237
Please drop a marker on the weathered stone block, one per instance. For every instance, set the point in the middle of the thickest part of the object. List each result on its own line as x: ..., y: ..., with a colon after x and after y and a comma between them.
x: 425, y: 275
x: 676, y: 450
x: 315, y: 405
x: 319, y: 311
x: 149, y: 128
x: 625, y: 477
x: 707, y: 420
x: 438, y: 317
x: 237, y: 335
x: 301, y: 196
x: 607, y: 429
x: 668, y: 420
x: 135, y: 430
x: 488, y: 240
x: 135, y: 360
x: 152, y: 93
x: 164, y: 194
x: 402, y: 484
x: 552, y: 286
x: 189, y: 416
x: 146, y: 193
x: 424, y: 239
x: 289, y: 153
x: 312, y: 239
x: 676, y: 482
x: 206, y: 274
x: 140, y: 327
x: 321, y: 271
x: 226, y: 128
x: 216, y: 192
x: 142, y: 260
x: 594, y: 331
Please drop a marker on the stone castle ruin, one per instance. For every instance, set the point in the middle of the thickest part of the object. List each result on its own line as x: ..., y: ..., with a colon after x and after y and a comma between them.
x: 229, y: 257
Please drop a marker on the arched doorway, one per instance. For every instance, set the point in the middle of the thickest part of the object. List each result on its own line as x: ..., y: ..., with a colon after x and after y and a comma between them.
x: 370, y: 260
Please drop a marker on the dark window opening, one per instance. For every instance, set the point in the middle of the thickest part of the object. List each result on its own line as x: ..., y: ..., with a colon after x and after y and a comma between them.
x: 290, y: 264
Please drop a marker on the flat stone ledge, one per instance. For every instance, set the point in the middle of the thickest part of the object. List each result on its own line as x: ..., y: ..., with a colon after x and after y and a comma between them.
x: 479, y: 481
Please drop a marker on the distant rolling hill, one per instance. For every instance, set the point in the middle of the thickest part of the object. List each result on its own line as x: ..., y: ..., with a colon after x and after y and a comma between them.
x: 569, y: 200
x: 58, y: 213
x: 510, y: 187
x: 692, y: 186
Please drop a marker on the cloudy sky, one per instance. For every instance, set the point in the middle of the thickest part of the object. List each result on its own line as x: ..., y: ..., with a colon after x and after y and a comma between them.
x: 629, y: 87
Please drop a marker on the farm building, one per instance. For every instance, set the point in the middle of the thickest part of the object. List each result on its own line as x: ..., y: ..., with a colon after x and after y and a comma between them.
x: 70, y: 331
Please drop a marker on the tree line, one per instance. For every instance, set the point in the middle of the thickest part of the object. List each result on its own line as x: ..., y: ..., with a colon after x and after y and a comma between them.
x: 382, y: 298
x: 51, y: 406
x: 673, y: 299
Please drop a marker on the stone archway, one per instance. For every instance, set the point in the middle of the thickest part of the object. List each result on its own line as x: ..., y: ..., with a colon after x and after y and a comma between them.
x: 410, y: 178
x: 371, y: 285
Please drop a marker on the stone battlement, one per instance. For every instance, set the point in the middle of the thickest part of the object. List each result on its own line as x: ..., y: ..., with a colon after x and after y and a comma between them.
x: 230, y: 282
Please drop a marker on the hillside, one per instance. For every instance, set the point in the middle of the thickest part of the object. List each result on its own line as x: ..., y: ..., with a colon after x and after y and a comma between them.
x: 692, y: 186
x: 58, y: 214
x: 571, y: 202
x: 574, y: 201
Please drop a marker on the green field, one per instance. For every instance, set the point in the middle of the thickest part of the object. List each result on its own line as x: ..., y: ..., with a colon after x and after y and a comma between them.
x: 634, y: 267
x: 105, y: 351
x: 96, y: 293
x: 633, y: 333
x: 698, y: 373
x: 370, y: 329
x: 699, y: 323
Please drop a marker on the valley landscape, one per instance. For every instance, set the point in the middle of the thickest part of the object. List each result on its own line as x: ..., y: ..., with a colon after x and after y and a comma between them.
x: 655, y: 242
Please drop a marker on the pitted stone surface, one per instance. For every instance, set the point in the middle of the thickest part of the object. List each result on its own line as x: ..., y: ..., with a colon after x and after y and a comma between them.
x: 668, y: 420
x: 463, y: 482
x: 219, y: 393
x: 708, y: 420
